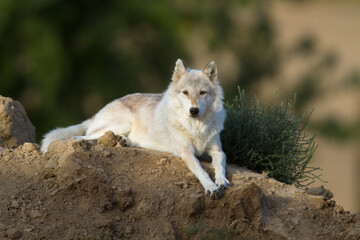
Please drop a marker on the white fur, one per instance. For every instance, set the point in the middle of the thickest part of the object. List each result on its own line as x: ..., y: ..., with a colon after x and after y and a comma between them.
x: 163, y: 122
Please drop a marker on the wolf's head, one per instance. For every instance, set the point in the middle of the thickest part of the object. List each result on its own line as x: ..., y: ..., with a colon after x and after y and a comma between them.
x: 196, y: 92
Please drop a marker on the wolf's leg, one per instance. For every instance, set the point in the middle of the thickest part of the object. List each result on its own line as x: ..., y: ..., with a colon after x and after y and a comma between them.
x: 195, y: 167
x: 122, y: 130
x: 90, y: 137
x: 219, y: 163
x: 124, y: 142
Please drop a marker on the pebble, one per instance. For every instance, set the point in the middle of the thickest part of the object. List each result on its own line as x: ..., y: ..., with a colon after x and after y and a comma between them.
x: 162, y: 161
x: 295, y: 220
x: 106, y: 153
x: 29, y: 147
x: 339, y: 210
x: 35, y: 214
x: 103, y: 224
x: 29, y: 229
x: 128, y: 230
x: 15, y: 204
x: 98, y: 148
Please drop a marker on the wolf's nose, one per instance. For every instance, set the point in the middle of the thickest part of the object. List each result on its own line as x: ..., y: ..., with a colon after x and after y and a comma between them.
x: 194, y: 111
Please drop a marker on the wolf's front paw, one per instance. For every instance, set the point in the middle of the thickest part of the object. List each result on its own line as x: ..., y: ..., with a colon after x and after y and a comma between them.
x: 124, y: 142
x: 213, y: 191
x: 216, y: 194
x: 222, y: 182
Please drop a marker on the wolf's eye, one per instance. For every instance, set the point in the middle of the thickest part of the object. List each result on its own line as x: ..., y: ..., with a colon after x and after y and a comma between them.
x: 185, y: 92
x: 202, y: 92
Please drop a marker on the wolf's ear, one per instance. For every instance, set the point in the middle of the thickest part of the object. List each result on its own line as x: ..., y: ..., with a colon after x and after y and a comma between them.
x: 179, y: 70
x: 211, y: 71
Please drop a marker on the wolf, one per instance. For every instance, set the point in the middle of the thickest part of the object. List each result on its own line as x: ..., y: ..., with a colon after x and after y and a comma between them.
x: 185, y: 120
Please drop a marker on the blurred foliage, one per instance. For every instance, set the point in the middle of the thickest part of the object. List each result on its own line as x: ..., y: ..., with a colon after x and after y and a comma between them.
x: 65, y: 59
x: 309, y: 84
x: 305, y: 46
x: 352, y: 80
x: 335, y: 129
x: 312, y: 84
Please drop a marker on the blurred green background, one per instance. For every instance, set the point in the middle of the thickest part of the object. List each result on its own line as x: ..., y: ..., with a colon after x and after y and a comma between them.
x: 64, y: 60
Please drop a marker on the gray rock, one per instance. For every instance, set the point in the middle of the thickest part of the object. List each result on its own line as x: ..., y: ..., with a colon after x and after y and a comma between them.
x: 15, y: 126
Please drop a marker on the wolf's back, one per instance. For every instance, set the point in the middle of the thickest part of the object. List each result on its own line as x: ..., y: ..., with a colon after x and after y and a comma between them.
x: 64, y: 133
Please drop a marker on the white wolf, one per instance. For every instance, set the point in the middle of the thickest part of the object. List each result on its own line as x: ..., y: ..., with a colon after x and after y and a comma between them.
x: 185, y: 120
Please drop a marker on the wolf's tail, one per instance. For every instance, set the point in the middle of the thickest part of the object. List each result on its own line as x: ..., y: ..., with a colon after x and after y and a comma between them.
x: 64, y: 133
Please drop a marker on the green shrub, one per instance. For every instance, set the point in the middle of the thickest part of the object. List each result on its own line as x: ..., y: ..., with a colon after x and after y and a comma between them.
x: 270, y: 140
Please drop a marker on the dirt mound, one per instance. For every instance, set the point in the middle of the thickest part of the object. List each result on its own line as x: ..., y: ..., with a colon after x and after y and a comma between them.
x: 83, y: 190
x: 15, y: 126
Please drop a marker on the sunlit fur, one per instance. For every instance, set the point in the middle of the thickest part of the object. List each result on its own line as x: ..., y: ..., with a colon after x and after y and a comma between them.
x: 163, y: 122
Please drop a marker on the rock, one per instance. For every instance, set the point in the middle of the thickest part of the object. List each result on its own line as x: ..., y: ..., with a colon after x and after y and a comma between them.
x: 30, y: 147
x: 128, y: 230
x: 2, y: 227
x: 68, y: 146
x: 35, y: 214
x: 353, y: 233
x: 14, y: 233
x: 15, y: 204
x: 326, y: 194
x: 29, y: 229
x: 104, y: 224
x: 162, y: 161
x: 109, y: 139
x: 195, y: 204
x: 250, y: 204
x: 98, y: 148
x: 124, y: 199
x: 295, y: 220
x: 106, y: 153
x: 339, y: 210
x: 15, y: 126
